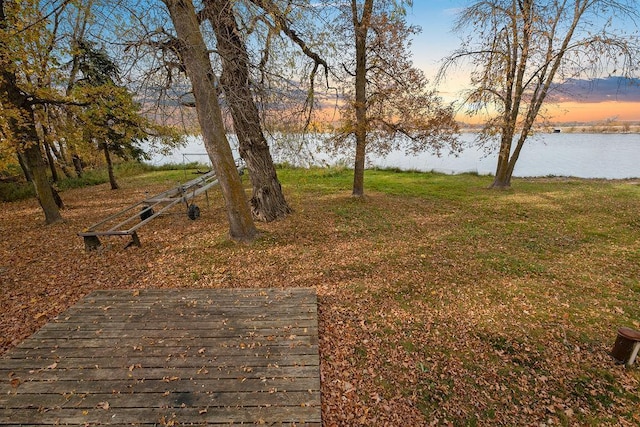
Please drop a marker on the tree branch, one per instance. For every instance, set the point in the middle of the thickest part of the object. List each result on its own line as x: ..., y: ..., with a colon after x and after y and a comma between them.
x: 270, y: 7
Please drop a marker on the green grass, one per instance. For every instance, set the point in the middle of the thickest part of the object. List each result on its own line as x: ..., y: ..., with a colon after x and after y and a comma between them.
x: 13, y: 191
x: 438, y: 296
x: 475, y: 304
x: 400, y: 183
x: 20, y: 190
x: 544, y: 253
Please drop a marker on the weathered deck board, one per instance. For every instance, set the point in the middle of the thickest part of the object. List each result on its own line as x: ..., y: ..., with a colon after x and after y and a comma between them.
x: 172, y: 357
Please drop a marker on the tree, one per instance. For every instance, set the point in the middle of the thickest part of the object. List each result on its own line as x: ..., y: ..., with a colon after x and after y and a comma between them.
x: 99, y: 76
x: 112, y: 122
x: 195, y: 58
x: 244, y: 79
x: 20, y: 24
x: 80, y: 25
x: 389, y: 105
x: 522, y: 50
x: 243, y: 91
x: 109, y: 115
x: 267, y: 202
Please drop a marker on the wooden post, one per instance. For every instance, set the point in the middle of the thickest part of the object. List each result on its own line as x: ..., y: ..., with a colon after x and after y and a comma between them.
x: 634, y: 354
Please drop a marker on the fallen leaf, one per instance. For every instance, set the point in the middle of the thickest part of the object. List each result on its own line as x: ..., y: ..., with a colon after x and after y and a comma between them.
x: 383, y: 308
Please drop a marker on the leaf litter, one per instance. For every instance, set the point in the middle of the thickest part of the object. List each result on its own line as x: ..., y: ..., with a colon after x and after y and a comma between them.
x: 431, y: 312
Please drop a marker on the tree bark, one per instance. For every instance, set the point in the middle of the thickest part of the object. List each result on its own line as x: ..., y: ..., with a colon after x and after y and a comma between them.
x: 44, y: 192
x: 267, y: 202
x: 358, y: 168
x: 61, y: 159
x: 77, y: 164
x: 57, y: 198
x: 23, y: 166
x: 107, y: 158
x: 361, y: 28
x: 49, y: 134
x: 195, y: 58
x: 50, y: 161
x: 502, y: 179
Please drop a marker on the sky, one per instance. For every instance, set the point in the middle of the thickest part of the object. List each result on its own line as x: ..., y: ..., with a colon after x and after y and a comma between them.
x: 604, y: 99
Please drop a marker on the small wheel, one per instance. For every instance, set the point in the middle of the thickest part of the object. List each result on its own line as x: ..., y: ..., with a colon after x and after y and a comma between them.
x: 193, y: 212
x: 146, y: 212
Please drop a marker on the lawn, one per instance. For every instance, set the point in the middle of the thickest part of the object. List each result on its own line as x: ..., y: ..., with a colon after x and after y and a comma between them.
x: 441, y: 302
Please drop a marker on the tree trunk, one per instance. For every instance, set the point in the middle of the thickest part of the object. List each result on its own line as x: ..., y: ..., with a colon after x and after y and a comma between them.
x: 358, y: 169
x: 77, y: 164
x: 195, y: 57
x: 61, y: 158
x: 361, y: 28
x: 57, y: 198
x: 57, y: 154
x: 502, y: 179
x: 23, y: 166
x: 44, y: 192
x: 268, y: 202
x: 107, y: 157
x: 50, y: 161
x: 506, y: 159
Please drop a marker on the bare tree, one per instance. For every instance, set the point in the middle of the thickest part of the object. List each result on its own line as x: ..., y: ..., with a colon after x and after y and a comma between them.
x: 195, y: 59
x: 246, y: 80
x: 301, y: 24
x: 267, y: 202
x: 388, y: 105
x: 520, y: 50
x: 241, y: 80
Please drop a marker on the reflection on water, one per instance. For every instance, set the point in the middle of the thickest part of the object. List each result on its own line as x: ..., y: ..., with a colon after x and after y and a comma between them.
x: 610, y: 156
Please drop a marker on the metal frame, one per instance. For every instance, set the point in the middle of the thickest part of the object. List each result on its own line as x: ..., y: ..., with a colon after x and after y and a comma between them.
x: 159, y: 204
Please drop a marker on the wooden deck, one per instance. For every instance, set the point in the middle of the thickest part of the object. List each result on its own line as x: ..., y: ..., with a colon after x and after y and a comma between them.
x: 170, y: 357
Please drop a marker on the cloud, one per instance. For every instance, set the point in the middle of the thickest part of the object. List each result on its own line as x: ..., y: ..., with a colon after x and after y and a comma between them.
x: 597, y: 90
x: 452, y: 11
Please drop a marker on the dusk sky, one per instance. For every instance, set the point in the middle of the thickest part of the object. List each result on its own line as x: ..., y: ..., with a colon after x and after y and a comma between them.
x: 605, y: 99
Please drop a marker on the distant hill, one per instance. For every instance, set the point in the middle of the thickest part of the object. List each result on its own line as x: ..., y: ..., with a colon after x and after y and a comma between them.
x: 613, y: 88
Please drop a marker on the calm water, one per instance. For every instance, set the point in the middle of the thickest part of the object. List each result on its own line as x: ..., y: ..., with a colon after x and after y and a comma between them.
x: 611, y: 156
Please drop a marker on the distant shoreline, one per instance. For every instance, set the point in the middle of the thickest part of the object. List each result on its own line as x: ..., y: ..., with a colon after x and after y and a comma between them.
x: 604, y: 128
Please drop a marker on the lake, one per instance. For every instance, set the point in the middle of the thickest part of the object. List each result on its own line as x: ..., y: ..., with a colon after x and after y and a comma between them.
x: 583, y: 155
